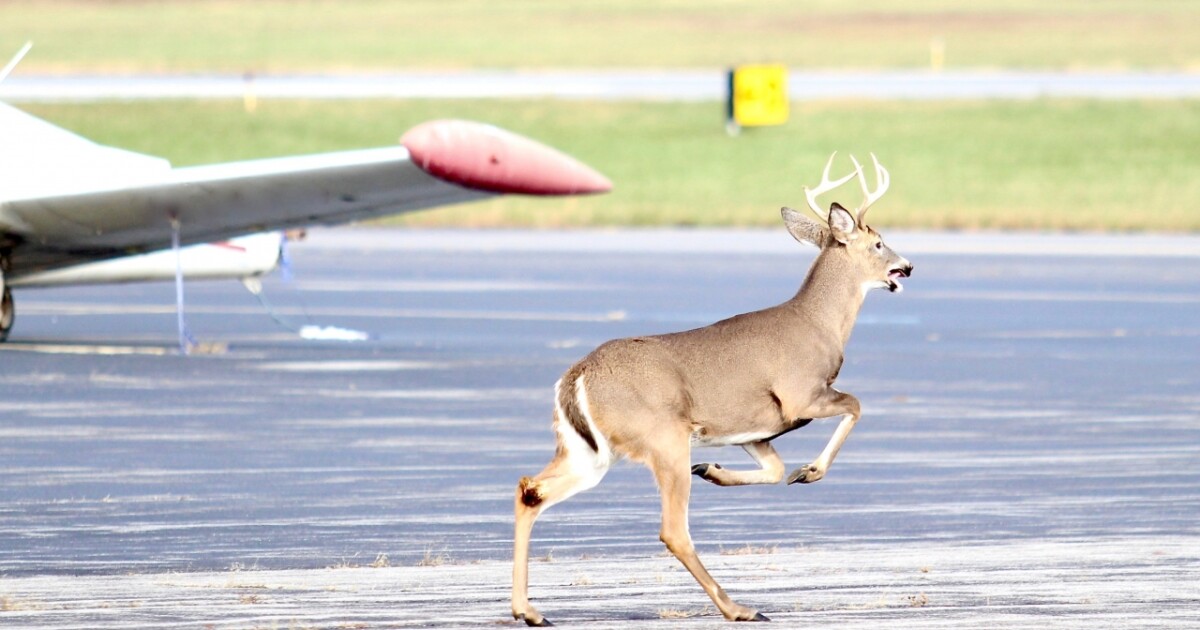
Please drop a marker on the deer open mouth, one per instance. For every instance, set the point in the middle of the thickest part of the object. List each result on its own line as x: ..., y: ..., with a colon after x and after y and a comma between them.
x: 893, y: 284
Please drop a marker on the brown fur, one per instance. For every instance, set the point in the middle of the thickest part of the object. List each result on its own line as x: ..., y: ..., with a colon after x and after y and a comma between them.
x: 744, y: 380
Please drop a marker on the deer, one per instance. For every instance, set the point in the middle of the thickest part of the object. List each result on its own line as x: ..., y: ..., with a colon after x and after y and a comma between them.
x: 741, y: 381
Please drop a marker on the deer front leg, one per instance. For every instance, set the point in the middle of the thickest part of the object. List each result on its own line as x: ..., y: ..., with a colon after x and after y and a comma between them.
x: 832, y: 403
x: 675, y: 484
x: 770, y: 470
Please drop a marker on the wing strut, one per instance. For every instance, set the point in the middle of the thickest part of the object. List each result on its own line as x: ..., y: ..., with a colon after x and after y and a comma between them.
x: 186, y: 341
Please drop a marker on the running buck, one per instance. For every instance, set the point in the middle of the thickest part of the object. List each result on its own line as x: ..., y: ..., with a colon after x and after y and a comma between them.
x: 745, y: 380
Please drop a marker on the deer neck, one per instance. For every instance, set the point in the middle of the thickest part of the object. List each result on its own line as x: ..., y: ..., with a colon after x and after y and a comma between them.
x: 832, y: 294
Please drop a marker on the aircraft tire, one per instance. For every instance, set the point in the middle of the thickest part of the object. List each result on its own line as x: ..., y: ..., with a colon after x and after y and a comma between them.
x: 8, y: 314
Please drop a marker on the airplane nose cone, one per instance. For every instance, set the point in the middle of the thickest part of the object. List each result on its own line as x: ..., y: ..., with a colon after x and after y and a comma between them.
x: 491, y: 159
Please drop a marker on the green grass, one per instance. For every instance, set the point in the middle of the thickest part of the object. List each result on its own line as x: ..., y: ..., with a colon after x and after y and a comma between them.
x: 307, y: 35
x: 1088, y: 165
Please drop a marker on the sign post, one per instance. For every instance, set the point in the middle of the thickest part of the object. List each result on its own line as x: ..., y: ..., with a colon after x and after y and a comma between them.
x: 756, y: 97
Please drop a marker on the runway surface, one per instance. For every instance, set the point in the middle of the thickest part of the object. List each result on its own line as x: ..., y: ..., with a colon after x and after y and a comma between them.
x: 1029, y: 454
x: 674, y: 85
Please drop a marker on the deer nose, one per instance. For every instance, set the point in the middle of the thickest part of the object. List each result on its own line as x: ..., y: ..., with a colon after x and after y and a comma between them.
x: 908, y: 270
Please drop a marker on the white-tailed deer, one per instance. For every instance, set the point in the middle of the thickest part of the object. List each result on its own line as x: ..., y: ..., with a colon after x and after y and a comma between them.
x: 745, y: 380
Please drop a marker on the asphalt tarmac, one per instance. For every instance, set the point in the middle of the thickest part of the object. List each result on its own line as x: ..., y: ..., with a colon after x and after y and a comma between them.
x: 1029, y: 454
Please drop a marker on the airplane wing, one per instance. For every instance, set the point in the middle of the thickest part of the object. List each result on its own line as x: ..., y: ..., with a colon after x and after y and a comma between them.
x: 65, y: 200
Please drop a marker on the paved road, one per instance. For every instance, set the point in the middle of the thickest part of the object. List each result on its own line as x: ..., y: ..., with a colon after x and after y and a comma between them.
x: 684, y: 85
x: 1029, y: 455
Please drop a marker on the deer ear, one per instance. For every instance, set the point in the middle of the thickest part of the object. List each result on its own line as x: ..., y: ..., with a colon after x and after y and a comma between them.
x: 841, y: 224
x: 804, y: 229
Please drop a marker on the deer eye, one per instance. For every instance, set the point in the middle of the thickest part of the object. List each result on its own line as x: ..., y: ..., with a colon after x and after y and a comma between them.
x: 878, y: 244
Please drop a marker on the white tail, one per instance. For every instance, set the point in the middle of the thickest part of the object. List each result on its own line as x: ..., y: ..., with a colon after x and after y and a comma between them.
x: 742, y: 381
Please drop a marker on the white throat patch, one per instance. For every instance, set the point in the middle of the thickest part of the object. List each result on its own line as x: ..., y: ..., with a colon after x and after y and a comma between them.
x: 873, y: 284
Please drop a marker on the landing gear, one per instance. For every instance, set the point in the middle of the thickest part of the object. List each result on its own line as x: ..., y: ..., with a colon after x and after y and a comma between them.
x: 8, y: 312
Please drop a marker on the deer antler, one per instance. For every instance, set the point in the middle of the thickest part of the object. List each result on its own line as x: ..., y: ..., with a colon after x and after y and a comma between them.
x: 826, y: 186
x: 882, y: 181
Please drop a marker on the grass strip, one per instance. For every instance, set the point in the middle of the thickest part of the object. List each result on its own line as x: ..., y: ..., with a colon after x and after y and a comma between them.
x: 356, y: 35
x: 1042, y: 164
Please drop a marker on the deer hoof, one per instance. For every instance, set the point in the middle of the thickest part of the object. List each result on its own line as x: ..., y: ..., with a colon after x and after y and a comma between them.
x: 805, y: 474
x: 701, y: 470
x: 540, y: 623
x: 742, y: 613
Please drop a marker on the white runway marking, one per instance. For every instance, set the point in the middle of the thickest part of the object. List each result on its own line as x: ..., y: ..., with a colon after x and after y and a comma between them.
x: 430, y: 286
x: 610, y: 84
x: 533, y: 393
x: 62, y: 348
x: 1061, y: 296
x: 354, y: 366
x: 62, y: 309
x: 756, y: 241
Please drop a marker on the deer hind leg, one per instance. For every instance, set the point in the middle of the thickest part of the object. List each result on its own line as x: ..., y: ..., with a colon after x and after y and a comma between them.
x: 770, y: 470
x: 575, y: 468
x: 675, y: 483
x: 534, y: 494
x: 833, y: 403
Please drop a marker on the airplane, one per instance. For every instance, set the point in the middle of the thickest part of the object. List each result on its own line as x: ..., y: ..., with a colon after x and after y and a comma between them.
x: 76, y: 212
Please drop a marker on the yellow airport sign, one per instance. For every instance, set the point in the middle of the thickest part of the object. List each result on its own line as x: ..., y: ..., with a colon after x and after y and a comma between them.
x: 758, y: 95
